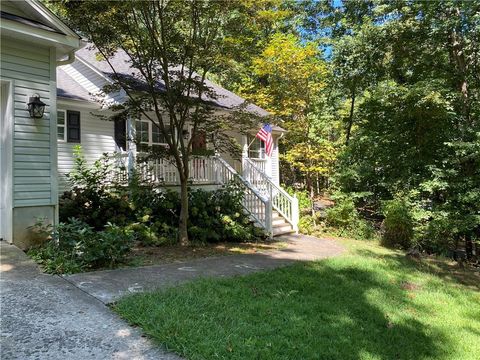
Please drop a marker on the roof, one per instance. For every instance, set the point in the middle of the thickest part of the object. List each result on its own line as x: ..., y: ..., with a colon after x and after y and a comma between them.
x: 25, y: 21
x: 121, y: 62
x: 69, y: 89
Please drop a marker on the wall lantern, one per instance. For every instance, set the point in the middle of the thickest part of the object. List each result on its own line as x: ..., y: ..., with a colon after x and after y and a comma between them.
x: 36, y: 107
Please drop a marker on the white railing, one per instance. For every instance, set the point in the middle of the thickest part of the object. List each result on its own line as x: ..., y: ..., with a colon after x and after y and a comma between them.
x: 257, y: 205
x: 201, y: 171
x: 285, y: 204
x: 261, y: 164
x: 260, y: 193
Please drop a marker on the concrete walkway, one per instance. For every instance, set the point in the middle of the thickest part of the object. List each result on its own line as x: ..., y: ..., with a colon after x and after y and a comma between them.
x: 65, y: 318
x: 46, y: 317
x: 110, y: 285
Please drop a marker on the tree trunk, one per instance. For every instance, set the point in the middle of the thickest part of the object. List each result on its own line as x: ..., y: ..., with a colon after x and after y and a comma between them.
x: 183, y: 223
x: 350, y: 118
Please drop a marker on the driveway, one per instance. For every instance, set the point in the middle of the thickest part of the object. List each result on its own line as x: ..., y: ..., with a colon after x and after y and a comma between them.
x: 46, y: 317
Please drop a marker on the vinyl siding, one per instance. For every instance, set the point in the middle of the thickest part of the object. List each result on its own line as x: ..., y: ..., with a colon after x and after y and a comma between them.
x: 33, y: 161
x: 97, y: 137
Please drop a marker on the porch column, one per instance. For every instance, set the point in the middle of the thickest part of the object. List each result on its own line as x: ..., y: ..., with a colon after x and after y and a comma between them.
x: 131, y: 146
x: 244, y: 153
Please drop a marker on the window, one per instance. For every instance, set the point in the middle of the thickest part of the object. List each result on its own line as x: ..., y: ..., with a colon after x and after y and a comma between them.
x: 141, y: 132
x: 68, y: 126
x: 148, y: 134
x: 61, y: 133
x: 157, y: 136
x: 73, y: 126
x: 256, y: 149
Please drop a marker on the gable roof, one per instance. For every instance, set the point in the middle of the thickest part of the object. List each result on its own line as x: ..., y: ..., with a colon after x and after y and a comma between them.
x: 33, y: 22
x: 68, y: 88
x: 121, y: 62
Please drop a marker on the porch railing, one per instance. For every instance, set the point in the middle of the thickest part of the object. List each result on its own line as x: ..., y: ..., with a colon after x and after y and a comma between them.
x: 257, y: 205
x: 285, y: 204
x: 204, y: 170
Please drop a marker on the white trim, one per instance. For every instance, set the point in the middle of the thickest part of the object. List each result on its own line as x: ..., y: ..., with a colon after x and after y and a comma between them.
x: 150, y: 141
x: 53, y: 134
x: 17, y: 31
x: 64, y: 125
x: 7, y: 168
x: 51, y: 18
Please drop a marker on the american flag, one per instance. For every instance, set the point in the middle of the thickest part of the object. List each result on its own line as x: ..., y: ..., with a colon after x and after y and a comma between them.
x: 265, y: 134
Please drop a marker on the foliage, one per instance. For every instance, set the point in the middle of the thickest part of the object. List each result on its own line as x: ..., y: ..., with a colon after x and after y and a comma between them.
x: 75, y: 246
x: 326, y: 309
x: 92, y: 198
x: 398, y: 224
x: 170, y: 46
x: 304, y: 201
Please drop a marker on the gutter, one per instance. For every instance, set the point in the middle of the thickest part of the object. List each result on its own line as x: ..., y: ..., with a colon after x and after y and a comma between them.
x: 70, y: 59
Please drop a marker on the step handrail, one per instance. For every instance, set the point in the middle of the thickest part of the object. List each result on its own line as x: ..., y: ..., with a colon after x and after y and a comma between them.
x: 282, y: 202
x: 262, y: 214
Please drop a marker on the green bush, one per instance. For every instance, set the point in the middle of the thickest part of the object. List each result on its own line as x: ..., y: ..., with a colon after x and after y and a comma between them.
x: 304, y: 201
x: 219, y: 216
x: 343, y: 214
x: 306, y: 224
x: 397, y: 225
x: 75, y: 246
x: 92, y: 198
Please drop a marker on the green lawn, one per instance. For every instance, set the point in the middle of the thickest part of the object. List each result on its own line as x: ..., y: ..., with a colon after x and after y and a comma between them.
x: 371, y: 303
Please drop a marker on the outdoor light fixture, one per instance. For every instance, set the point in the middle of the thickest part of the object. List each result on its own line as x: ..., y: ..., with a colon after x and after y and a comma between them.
x: 36, y: 107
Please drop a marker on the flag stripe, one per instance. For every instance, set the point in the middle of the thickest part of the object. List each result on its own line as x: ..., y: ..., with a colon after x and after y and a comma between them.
x: 265, y: 134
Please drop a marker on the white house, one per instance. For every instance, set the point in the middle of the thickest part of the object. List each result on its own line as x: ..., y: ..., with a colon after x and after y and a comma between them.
x: 79, y: 84
x: 33, y: 43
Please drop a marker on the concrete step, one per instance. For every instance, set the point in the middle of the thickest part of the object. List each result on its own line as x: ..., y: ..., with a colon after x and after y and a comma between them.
x: 278, y: 220
x: 280, y: 229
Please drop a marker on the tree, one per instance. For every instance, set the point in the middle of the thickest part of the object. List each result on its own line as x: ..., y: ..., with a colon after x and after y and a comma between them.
x: 171, y: 46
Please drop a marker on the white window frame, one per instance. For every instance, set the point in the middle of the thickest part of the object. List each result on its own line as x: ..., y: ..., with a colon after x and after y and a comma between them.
x: 64, y: 125
x: 150, y: 134
x: 260, y: 151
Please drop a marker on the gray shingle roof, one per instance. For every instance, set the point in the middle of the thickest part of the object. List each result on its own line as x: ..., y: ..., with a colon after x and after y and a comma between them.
x: 225, y: 99
x: 69, y: 88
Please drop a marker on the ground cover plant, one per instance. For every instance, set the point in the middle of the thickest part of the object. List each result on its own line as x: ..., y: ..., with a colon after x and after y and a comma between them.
x: 372, y: 303
x: 103, y: 219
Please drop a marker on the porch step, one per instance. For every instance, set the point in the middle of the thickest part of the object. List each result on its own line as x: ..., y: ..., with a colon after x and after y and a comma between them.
x: 282, y: 228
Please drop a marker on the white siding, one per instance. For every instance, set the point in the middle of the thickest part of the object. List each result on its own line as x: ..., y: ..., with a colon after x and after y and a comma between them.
x: 33, y: 164
x: 97, y: 137
x: 91, y: 80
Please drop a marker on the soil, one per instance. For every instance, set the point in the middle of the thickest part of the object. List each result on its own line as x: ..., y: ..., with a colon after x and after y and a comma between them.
x: 158, y: 255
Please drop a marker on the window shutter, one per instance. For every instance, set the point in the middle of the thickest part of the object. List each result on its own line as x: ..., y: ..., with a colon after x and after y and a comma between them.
x: 73, y: 126
x: 120, y: 134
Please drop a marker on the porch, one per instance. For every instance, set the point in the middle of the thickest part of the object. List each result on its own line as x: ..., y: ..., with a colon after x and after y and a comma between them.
x: 270, y: 206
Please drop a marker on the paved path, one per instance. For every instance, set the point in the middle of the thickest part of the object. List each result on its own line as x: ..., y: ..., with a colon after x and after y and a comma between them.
x: 110, y: 285
x: 47, y: 318
x: 65, y: 318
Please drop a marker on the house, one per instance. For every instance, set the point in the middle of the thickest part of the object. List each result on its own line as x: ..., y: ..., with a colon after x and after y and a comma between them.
x: 33, y: 43
x: 79, y: 86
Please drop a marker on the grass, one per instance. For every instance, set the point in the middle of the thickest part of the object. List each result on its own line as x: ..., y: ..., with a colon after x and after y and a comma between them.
x: 371, y: 303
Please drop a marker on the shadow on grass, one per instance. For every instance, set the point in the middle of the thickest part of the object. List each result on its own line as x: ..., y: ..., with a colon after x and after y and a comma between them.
x: 320, y: 310
x: 445, y: 269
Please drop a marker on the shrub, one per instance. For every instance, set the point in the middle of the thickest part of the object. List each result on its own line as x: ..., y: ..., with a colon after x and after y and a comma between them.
x: 304, y: 201
x: 343, y: 214
x: 306, y: 224
x: 219, y: 216
x: 397, y: 225
x: 75, y: 246
x: 92, y: 198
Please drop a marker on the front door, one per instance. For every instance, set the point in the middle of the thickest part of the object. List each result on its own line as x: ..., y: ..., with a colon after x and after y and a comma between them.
x: 199, y: 142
